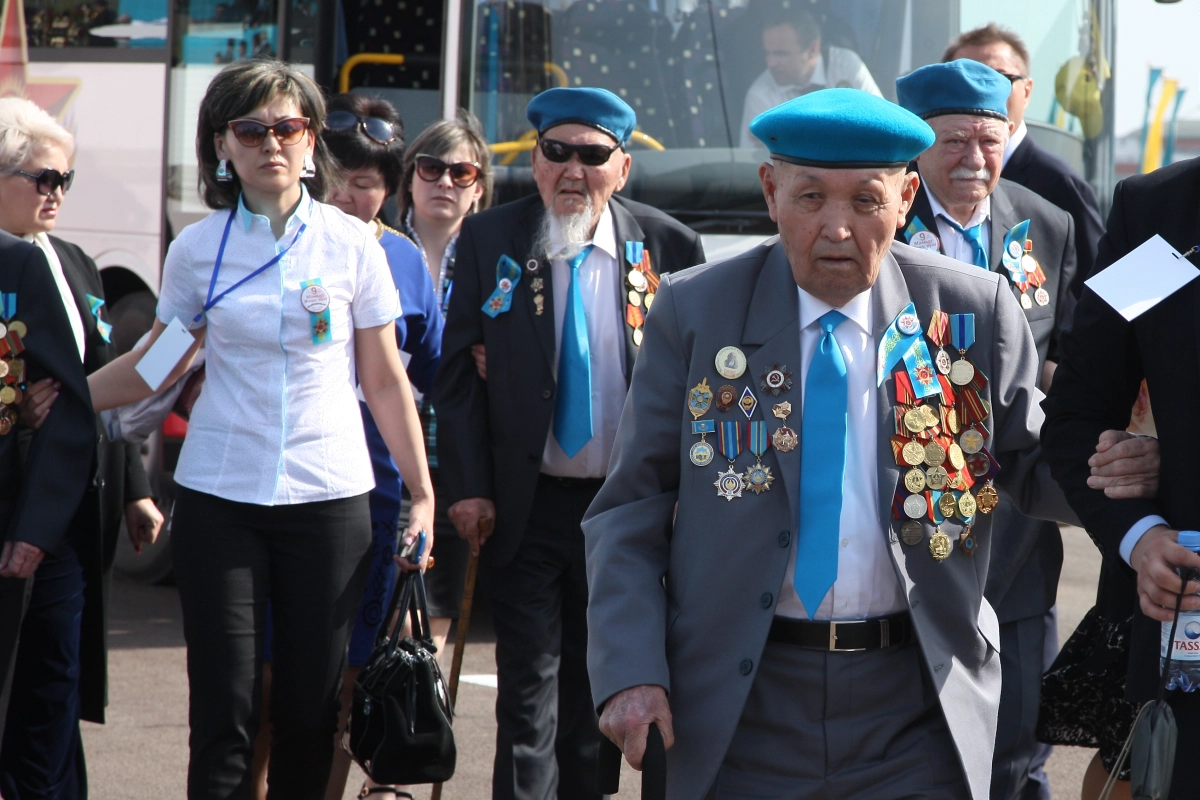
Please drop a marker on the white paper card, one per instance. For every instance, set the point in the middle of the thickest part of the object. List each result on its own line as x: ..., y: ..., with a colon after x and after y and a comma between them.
x: 164, y: 354
x: 1149, y: 274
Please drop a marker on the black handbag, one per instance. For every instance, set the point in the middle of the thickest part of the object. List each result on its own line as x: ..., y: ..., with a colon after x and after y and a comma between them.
x: 400, y: 722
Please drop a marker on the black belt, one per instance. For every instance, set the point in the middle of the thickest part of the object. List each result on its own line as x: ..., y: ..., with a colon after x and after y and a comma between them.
x: 573, y: 484
x: 867, y: 634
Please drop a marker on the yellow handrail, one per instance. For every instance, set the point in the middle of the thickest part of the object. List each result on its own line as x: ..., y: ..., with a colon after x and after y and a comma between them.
x: 528, y: 140
x: 559, y: 73
x: 353, y: 61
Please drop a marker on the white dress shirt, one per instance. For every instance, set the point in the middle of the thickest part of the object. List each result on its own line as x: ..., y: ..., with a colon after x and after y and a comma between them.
x: 42, y: 240
x: 278, y: 422
x: 845, y: 68
x: 954, y: 244
x: 600, y: 285
x: 866, y: 584
x: 1014, y: 142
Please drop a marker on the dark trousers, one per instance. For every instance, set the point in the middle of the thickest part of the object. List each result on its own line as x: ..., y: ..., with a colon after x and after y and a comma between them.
x: 14, y: 599
x: 1022, y: 661
x: 547, y: 733
x: 42, y: 754
x: 311, y: 559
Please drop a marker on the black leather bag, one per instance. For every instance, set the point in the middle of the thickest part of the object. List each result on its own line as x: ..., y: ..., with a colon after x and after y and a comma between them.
x: 400, y: 730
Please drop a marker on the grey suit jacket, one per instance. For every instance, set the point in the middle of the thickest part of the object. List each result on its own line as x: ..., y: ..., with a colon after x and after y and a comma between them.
x: 687, y: 605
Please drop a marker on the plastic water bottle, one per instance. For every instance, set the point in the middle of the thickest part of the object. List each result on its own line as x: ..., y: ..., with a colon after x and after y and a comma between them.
x: 1185, y: 657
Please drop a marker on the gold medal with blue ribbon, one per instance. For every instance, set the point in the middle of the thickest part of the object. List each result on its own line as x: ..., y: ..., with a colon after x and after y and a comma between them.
x: 903, y: 341
x: 315, y: 299
x: 508, y: 275
x: 95, y: 304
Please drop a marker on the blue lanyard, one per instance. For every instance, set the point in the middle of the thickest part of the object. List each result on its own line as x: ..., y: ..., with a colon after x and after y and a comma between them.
x: 212, y: 283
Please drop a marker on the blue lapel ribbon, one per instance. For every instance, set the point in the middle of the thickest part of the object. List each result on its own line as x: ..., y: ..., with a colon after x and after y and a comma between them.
x: 95, y: 304
x: 633, y: 253
x: 508, y: 275
x: 1015, y: 240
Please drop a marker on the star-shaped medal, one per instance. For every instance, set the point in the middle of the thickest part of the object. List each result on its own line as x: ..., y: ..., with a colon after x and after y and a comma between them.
x: 776, y: 380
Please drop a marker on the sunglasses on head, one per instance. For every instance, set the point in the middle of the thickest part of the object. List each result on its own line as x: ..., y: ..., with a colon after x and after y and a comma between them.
x: 431, y: 170
x: 592, y: 155
x: 377, y: 129
x: 48, y: 180
x: 251, y: 133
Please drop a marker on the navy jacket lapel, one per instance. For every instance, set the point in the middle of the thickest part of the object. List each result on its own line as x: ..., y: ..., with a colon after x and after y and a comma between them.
x: 1004, y: 217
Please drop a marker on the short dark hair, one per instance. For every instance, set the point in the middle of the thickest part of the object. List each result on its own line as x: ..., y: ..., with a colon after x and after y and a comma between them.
x: 441, y: 139
x: 989, y: 34
x: 805, y: 25
x: 238, y: 90
x: 353, y: 149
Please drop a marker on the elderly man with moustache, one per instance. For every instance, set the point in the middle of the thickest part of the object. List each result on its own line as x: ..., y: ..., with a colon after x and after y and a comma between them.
x: 965, y: 209
x: 808, y: 585
x: 555, y: 287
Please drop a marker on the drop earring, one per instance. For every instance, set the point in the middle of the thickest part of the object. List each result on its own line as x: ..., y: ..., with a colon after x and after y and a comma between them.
x: 310, y: 168
x: 223, y: 173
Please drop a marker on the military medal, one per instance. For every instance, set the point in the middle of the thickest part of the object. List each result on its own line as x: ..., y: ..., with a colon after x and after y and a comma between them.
x: 726, y: 397
x: 784, y: 439
x: 937, y: 478
x: 782, y: 410
x: 915, y: 506
x: 634, y: 298
x: 914, y: 480
x: 776, y: 380
x: 758, y: 477
x: 966, y: 505
x: 539, y: 304
x: 939, y: 545
x: 962, y: 332
x: 935, y: 454
x: 701, y: 453
x: 700, y: 399
x: 954, y: 454
x: 947, y: 505
x: 967, y: 541
x: 979, y: 464
x: 748, y: 402
x: 649, y: 301
x: 913, y: 453
x: 971, y: 441
x: 915, y: 420
x: 912, y: 532
x: 730, y: 483
x: 637, y: 280
x: 18, y: 327
x: 730, y: 362
x: 1026, y: 303
x: 939, y: 324
x: 987, y: 499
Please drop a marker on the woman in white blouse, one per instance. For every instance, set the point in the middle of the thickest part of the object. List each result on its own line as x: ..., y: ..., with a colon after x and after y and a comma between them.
x: 294, y: 302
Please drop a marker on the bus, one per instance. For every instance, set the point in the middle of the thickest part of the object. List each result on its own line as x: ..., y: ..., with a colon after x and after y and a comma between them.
x: 127, y: 76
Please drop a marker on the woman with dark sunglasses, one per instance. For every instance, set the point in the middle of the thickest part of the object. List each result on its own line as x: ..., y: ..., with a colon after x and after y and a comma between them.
x: 61, y: 665
x: 447, y: 176
x: 295, y: 304
x: 365, y: 135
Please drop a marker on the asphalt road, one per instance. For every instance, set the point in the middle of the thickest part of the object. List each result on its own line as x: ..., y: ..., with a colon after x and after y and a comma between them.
x: 141, y: 754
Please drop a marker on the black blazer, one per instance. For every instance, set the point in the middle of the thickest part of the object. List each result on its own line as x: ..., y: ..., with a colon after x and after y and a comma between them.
x: 491, y: 434
x: 118, y: 477
x: 1052, y: 178
x: 1027, y: 554
x: 1105, y: 359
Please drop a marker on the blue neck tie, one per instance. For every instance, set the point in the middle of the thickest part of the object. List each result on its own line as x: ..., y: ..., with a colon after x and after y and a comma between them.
x: 573, y: 405
x: 974, y: 237
x: 822, y: 468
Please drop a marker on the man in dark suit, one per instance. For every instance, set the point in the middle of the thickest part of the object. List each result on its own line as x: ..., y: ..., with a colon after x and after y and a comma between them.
x: 1024, y: 161
x: 965, y: 210
x: 555, y: 287
x: 1104, y: 360
x: 39, y: 490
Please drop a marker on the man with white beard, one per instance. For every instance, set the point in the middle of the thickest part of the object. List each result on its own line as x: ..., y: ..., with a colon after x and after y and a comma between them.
x: 551, y: 292
x: 966, y: 211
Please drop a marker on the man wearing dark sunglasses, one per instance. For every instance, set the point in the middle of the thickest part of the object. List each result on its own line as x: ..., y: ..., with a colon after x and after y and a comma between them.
x: 555, y: 287
x: 1026, y: 163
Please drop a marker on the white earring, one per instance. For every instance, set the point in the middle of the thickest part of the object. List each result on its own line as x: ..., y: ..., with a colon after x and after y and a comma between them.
x: 223, y: 173
x: 310, y: 167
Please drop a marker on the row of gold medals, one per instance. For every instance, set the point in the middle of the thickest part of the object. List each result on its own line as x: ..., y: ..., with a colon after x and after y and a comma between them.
x: 12, y: 372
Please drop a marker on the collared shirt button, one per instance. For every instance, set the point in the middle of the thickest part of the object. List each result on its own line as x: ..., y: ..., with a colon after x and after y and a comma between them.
x: 766, y: 600
x: 785, y: 538
x: 546, y: 394
x: 845, y: 542
x: 746, y: 667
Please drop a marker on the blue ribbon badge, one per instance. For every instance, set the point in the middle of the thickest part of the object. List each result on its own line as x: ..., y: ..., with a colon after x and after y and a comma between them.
x: 508, y: 275
x: 1014, y: 249
x: 903, y: 340
x: 917, y: 235
x: 95, y: 304
x: 8, y: 304
x: 633, y: 253
x: 315, y: 299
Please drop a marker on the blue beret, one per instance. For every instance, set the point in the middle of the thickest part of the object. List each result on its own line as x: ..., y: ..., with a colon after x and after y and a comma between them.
x: 842, y: 128
x: 597, y: 108
x: 958, y: 87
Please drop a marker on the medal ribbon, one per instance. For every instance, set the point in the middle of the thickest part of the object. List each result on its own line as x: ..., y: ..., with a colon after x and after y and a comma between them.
x: 932, y: 497
x: 920, y: 368
x: 973, y: 411
x: 8, y: 304
x: 212, y: 283
x: 893, y: 344
x: 757, y: 441
x: 633, y: 253
x: 319, y: 321
x: 95, y: 304
x: 962, y: 331
x: 501, y: 299
x: 729, y: 439
x: 703, y: 426
x: 939, y: 323
x: 633, y: 316
x: 904, y: 389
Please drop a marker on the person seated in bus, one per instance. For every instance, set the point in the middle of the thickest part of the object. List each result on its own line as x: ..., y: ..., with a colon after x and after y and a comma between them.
x: 797, y: 64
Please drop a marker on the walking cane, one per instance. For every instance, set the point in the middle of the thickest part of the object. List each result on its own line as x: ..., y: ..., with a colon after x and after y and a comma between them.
x: 654, y: 767
x: 460, y: 634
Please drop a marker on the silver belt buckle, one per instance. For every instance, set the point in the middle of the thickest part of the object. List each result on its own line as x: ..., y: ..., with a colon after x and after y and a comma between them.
x: 833, y: 646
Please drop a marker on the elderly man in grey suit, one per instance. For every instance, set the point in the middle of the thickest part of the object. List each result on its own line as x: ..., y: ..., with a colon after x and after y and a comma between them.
x: 793, y: 539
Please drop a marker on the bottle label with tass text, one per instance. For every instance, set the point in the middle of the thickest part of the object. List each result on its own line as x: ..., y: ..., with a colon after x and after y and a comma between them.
x: 1187, y: 638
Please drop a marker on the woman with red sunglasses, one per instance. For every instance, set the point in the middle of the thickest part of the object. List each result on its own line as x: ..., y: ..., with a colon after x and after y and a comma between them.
x: 295, y: 304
